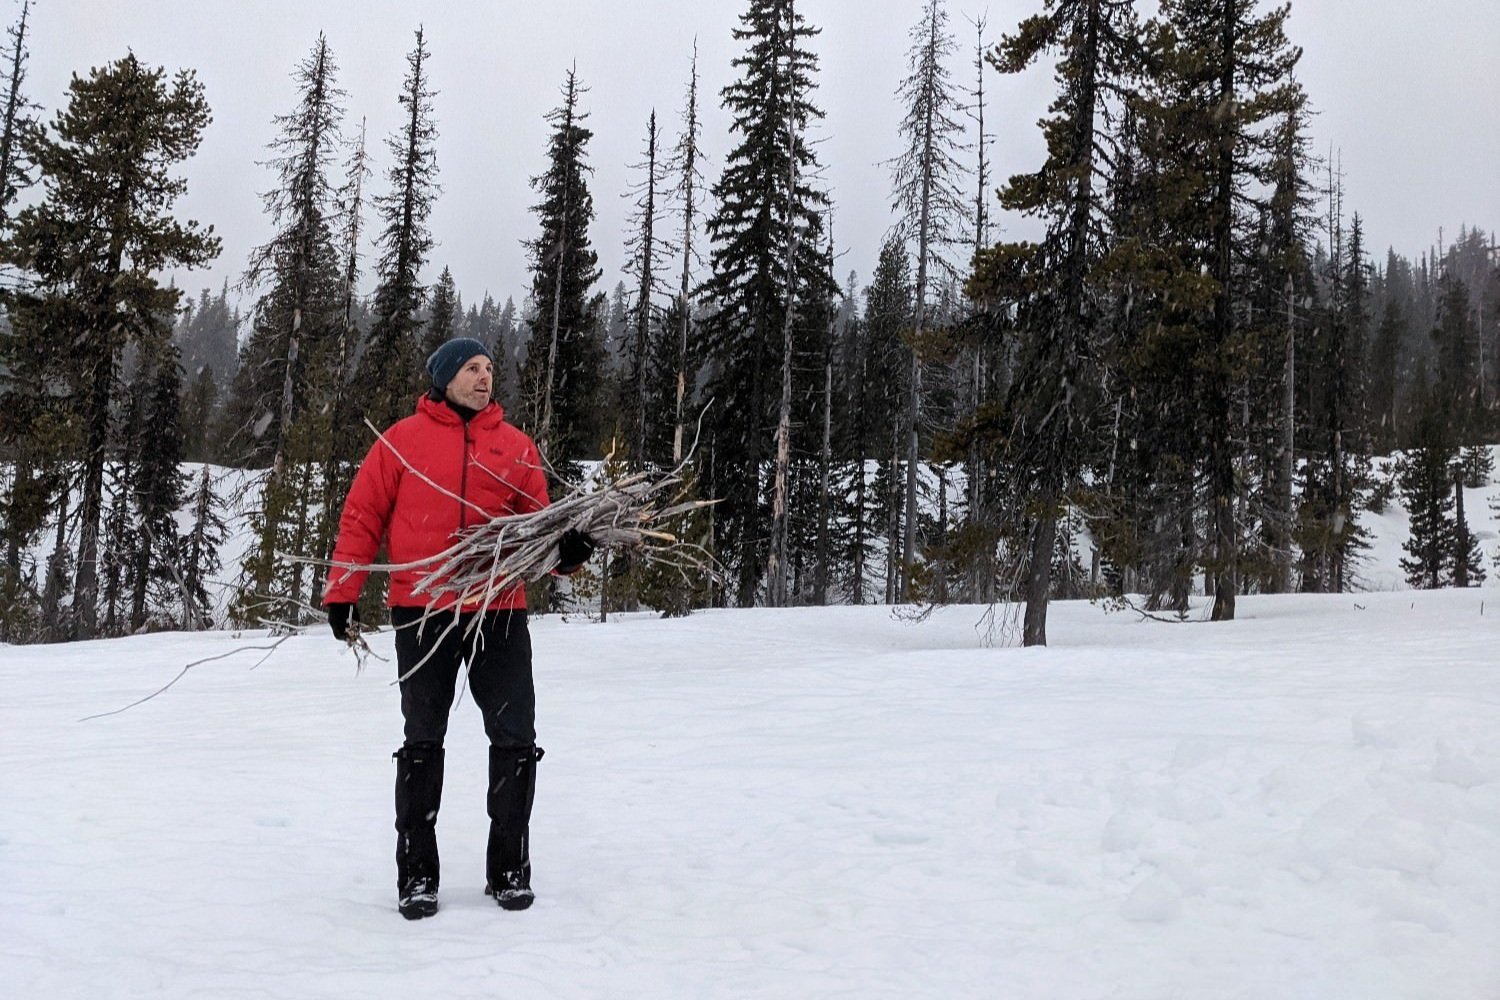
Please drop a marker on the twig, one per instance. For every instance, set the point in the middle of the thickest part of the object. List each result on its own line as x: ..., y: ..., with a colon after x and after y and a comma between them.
x: 183, y: 673
x: 1125, y: 602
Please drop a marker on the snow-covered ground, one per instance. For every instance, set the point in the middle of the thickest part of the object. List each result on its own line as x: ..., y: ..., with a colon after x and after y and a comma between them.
x: 1303, y: 803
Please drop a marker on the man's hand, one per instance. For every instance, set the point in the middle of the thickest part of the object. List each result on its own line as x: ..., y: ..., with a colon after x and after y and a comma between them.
x: 573, y: 550
x: 340, y: 614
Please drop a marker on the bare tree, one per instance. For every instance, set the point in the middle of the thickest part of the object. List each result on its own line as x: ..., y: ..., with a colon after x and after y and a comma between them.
x: 687, y: 156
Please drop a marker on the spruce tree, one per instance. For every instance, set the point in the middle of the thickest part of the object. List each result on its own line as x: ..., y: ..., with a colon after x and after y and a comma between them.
x: 1468, y: 570
x: 281, y: 396
x: 297, y: 314
x: 199, y: 551
x: 95, y: 244
x: 766, y: 272
x: 443, y: 314
x: 562, y: 376
x: 390, y: 372
x: 1426, y: 486
x: 158, y: 486
x: 875, y: 406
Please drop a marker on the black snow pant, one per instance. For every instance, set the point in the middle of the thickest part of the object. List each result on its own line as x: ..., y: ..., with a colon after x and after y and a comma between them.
x: 499, y: 668
x: 499, y: 660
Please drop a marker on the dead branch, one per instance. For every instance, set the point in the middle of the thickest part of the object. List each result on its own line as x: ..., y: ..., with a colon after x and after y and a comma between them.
x: 183, y: 673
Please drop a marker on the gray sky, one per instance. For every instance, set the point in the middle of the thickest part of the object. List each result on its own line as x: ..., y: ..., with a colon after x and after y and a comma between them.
x: 1407, y: 92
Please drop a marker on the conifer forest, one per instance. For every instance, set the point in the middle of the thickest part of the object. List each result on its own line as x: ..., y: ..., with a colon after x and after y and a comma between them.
x: 1191, y: 378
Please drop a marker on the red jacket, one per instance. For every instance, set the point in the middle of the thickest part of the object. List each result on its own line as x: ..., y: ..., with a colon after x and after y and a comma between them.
x: 487, y: 461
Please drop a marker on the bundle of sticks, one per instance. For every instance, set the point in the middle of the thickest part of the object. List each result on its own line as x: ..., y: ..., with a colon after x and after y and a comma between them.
x: 628, y: 514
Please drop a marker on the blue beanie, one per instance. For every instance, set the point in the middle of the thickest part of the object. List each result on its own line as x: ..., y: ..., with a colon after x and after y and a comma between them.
x: 446, y: 361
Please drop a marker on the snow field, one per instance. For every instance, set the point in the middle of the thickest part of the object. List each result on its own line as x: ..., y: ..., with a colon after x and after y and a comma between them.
x: 1303, y: 803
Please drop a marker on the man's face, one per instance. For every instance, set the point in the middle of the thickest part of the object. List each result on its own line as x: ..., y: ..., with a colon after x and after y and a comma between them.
x: 471, y: 386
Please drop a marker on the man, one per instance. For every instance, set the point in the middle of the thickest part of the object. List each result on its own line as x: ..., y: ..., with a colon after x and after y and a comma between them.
x: 472, y: 466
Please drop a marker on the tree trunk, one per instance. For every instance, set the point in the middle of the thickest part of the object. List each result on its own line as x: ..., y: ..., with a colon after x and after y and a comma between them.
x: 825, y: 468
x: 689, y: 160
x: 86, y: 578
x: 909, y: 529
x: 1288, y: 464
x: 776, y: 568
x: 1461, y: 535
x: 942, y: 539
x: 1221, y: 483
x: 1039, y: 572
x: 892, y: 521
x: 52, y: 590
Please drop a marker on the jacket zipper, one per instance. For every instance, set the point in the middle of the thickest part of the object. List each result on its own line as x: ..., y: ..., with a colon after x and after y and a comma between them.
x: 463, y: 483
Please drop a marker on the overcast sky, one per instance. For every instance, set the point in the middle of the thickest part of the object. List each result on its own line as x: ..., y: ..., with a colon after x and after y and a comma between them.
x: 1408, y: 92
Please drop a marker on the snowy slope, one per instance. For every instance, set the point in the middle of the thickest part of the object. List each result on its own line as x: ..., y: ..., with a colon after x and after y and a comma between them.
x: 1303, y: 803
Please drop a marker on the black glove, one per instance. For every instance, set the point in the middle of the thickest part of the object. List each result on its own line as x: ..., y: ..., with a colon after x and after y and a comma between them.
x: 340, y: 614
x: 573, y: 550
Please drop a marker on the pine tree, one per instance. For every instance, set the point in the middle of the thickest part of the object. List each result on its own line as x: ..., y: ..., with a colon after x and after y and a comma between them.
x: 617, y: 327
x: 876, y: 408
x: 298, y: 313
x: 984, y: 356
x: 1426, y: 487
x: 686, y: 157
x: 1477, y: 464
x: 766, y: 272
x: 344, y: 438
x: 39, y: 431
x: 14, y: 169
x: 390, y: 372
x: 562, y: 374
x: 207, y: 337
x: 1231, y: 70
x: 95, y: 242
x: 443, y: 314
x: 930, y: 211
x: 1053, y: 284
x: 158, y: 487
x: 1330, y: 536
x: 647, y: 251
x: 1468, y: 570
x: 1386, y: 354
x: 282, y: 395
x: 199, y: 415
x: 1457, y: 369
x: 199, y: 552
x: 1279, y: 275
